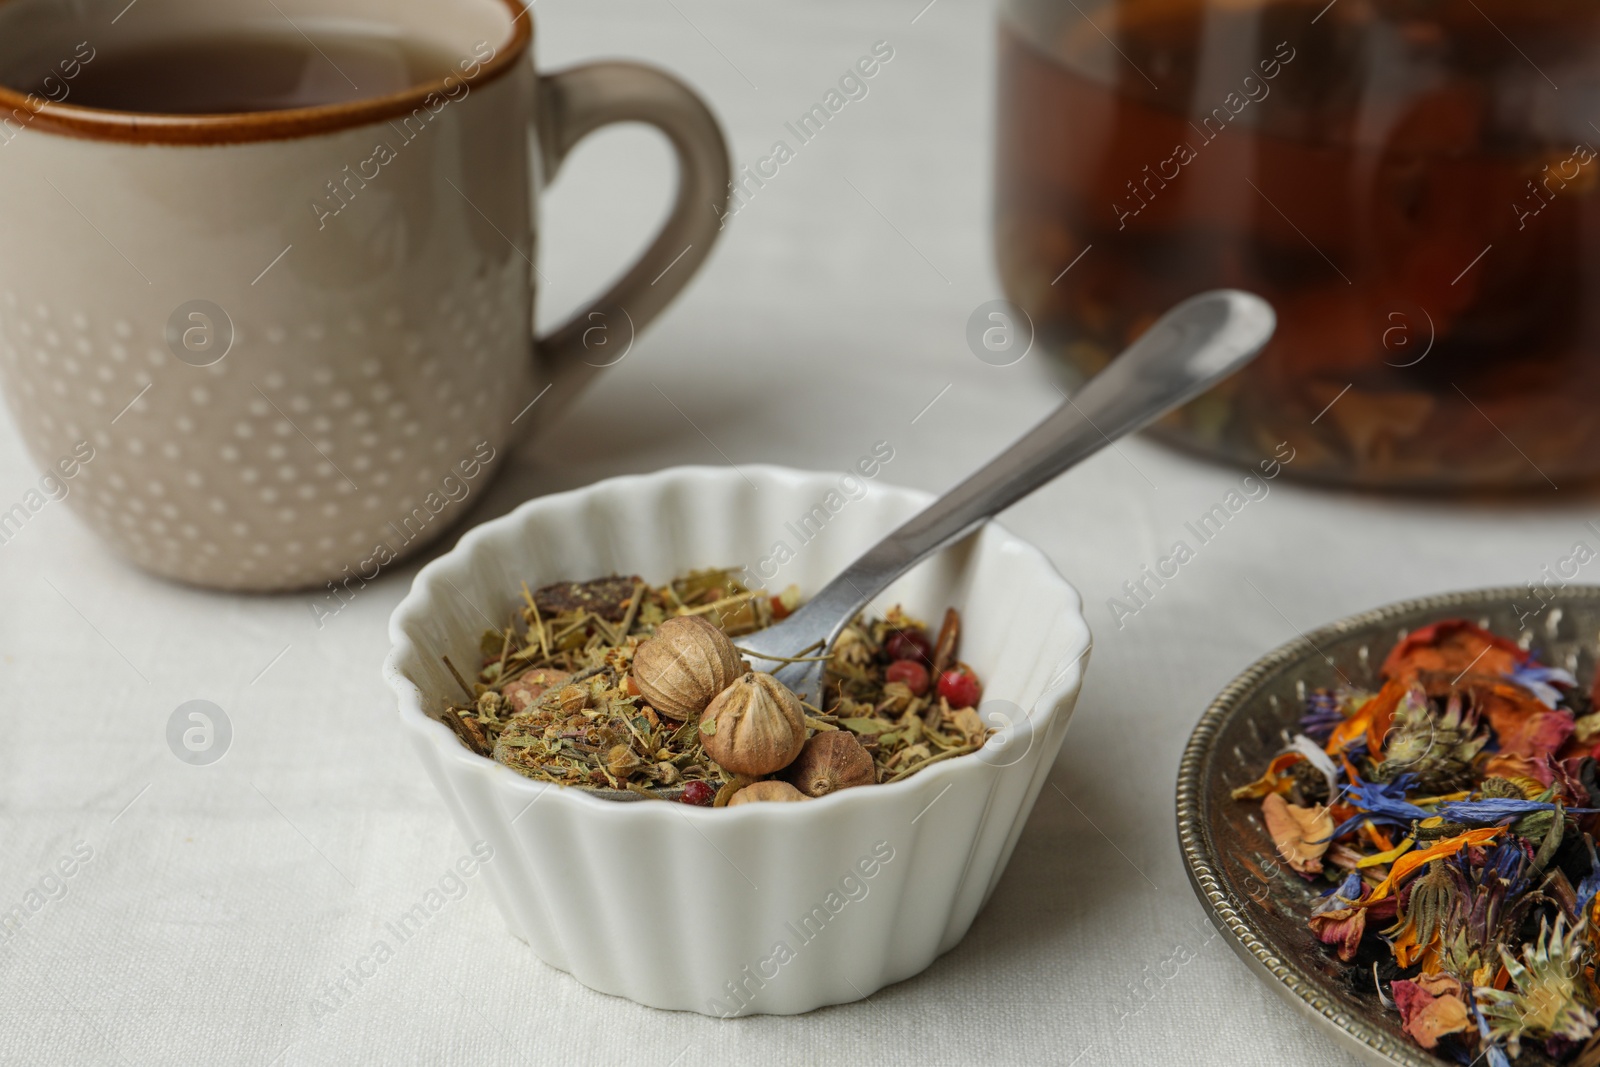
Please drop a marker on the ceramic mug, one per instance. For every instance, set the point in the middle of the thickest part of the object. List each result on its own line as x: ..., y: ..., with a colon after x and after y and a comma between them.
x: 295, y: 344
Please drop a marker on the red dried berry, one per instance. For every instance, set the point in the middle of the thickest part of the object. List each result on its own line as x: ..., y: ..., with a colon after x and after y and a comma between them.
x: 909, y: 644
x: 699, y: 794
x: 910, y: 673
x: 960, y: 688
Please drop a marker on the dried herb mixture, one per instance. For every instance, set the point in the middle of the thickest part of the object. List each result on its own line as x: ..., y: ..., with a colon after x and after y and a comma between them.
x: 1452, y: 815
x: 615, y: 684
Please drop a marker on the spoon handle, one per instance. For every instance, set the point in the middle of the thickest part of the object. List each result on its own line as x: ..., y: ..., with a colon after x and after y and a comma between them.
x: 1189, y: 349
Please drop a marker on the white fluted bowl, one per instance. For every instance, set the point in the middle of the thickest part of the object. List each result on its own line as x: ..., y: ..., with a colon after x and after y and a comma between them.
x: 774, y: 908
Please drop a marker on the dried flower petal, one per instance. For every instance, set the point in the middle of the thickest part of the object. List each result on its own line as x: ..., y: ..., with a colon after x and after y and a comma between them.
x: 1439, y: 985
x: 1536, y: 735
x: 1428, y: 1018
x: 1342, y: 927
x: 1301, y: 834
x: 1587, y: 729
x: 1506, y: 765
x: 1455, y: 646
x: 1276, y: 780
x: 1355, y: 728
x: 1414, y: 859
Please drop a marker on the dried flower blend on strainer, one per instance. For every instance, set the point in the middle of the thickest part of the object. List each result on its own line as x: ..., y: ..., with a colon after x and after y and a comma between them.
x: 1450, y: 816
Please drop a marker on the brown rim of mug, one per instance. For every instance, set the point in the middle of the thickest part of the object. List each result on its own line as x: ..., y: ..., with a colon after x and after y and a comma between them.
x: 104, y: 124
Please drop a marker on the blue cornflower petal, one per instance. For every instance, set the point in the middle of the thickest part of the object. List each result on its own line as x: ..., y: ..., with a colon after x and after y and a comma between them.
x: 1542, y: 681
x: 1387, y: 798
x: 1495, y: 809
x: 1322, y: 715
x: 1382, y: 804
x: 1591, y: 881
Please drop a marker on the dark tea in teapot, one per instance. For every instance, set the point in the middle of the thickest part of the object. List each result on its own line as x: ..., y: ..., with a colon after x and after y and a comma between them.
x: 1402, y: 180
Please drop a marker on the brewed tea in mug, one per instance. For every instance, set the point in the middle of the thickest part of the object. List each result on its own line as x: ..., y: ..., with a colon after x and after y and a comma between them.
x: 253, y: 70
x: 273, y: 262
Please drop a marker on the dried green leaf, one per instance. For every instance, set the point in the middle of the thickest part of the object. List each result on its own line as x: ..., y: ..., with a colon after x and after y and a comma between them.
x: 867, y: 726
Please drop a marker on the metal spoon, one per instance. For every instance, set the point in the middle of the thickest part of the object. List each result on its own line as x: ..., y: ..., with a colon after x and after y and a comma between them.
x: 1189, y: 349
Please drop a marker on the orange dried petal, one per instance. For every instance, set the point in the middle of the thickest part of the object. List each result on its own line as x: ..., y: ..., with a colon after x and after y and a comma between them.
x: 1377, y: 837
x: 1510, y: 766
x: 1419, y: 856
x: 1439, y: 984
x: 1301, y: 834
x: 1454, y: 645
x: 1275, y: 780
x: 1379, y: 713
x: 1353, y: 727
x: 1444, y: 1015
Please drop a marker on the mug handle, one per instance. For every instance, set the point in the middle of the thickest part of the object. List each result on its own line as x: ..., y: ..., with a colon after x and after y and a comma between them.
x: 573, y: 104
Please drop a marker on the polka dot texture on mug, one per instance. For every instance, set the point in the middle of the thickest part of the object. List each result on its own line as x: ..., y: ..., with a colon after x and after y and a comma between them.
x: 311, y: 444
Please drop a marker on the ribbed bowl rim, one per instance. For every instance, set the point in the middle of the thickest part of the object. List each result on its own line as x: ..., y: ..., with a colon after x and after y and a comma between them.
x: 1059, y: 693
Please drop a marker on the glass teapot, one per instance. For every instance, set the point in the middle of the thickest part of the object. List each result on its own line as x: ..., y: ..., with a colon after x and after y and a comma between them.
x: 1411, y: 183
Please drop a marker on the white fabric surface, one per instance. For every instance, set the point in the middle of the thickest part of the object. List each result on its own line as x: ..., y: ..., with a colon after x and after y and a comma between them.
x: 220, y: 901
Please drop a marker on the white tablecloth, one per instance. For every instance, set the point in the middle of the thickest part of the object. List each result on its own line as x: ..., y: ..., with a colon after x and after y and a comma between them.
x: 220, y: 905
